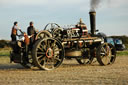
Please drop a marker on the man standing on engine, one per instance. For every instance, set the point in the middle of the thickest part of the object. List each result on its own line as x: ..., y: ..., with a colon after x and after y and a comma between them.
x: 15, y: 28
x: 31, y: 32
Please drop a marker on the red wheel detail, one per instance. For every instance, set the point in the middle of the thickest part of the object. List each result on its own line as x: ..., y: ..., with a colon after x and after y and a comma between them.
x: 49, y: 53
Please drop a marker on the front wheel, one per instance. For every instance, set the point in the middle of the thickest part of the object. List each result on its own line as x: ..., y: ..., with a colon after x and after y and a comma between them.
x: 48, y: 53
x: 106, y: 54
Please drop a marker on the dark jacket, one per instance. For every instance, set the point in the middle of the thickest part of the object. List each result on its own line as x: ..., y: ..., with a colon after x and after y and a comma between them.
x: 31, y: 30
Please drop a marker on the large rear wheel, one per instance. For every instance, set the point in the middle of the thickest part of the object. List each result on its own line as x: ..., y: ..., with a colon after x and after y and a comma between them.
x: 48, y: 53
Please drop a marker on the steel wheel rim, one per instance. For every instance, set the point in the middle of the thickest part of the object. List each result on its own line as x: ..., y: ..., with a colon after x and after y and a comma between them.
x: 49, y: 63
x: 106, y: 54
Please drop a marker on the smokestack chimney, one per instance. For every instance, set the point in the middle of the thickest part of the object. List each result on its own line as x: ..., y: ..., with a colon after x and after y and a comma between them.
x: 93, y: 22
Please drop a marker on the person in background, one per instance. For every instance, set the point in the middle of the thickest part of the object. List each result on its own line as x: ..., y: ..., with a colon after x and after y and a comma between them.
x: 14, y: 33
x: 31, y: 32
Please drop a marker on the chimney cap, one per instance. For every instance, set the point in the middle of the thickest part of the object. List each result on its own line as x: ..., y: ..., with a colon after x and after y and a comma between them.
x: 92, y: 12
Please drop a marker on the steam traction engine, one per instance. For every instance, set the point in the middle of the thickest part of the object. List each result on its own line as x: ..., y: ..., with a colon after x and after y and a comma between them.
x: 54, y: 43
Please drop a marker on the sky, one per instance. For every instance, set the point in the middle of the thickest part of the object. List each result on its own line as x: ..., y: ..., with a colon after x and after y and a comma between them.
x: 111, y: 15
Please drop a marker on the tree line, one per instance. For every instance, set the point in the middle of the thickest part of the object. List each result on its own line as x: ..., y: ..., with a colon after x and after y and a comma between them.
x: 4, y: 43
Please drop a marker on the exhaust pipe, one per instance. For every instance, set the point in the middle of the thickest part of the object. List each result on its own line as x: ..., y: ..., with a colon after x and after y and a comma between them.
x: 93, y: 22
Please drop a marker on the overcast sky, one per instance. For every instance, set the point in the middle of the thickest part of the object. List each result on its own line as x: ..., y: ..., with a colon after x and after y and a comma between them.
x: 112, y: 15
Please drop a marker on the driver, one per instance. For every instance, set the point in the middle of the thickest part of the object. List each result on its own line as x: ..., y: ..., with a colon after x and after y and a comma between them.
x: 15, y: 28
x: 31, y: 32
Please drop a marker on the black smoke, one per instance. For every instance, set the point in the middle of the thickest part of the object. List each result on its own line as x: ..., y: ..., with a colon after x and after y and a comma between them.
x: 94, y: 4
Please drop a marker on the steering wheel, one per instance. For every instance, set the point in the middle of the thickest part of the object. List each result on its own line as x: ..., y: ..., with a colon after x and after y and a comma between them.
x: 51, y: 26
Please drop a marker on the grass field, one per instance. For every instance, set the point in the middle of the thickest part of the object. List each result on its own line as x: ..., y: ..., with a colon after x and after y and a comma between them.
x: 5, y: 52
x: 122, y: 53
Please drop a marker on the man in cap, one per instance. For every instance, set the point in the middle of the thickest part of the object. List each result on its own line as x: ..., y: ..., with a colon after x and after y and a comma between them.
x: 31, y: 32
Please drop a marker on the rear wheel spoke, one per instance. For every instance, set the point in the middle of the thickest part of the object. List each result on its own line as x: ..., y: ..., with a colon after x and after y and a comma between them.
x: 58, y: 50
x: 41, y: 53
x: 49, y: 63
x: 58, y: 59
x: 40, y: 49
x: 53, y: 44
x: 41, y: 60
